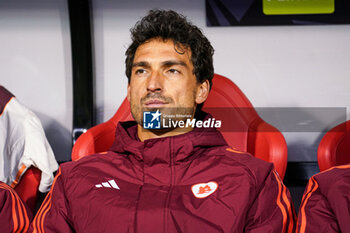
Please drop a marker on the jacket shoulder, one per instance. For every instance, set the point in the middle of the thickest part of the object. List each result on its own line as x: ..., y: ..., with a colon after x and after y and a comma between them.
x: 245, y: 158
x: 255, y: 167
x: 86, y: 164
x: 333, y: 179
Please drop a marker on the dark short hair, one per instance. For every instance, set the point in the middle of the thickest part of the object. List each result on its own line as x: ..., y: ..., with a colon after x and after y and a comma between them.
x: 171, y: 25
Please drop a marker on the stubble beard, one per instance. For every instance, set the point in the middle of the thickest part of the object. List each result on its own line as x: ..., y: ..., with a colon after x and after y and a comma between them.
x: 171, y: 113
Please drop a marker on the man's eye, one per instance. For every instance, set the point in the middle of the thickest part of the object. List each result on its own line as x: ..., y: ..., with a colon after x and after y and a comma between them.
x: 174, y: 71
x: 140, y: 71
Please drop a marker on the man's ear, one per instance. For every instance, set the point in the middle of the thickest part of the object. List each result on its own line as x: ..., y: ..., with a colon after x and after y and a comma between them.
x: 128, y: 95
x: 202, y: 92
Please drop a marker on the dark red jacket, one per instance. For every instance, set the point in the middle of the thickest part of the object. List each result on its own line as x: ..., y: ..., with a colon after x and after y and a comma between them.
x: 187, y: 183
x: 14, y: 214
x: 326, y: 202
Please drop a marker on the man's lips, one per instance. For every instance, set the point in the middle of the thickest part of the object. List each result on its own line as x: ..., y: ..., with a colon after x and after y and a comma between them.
x: 154, y: 103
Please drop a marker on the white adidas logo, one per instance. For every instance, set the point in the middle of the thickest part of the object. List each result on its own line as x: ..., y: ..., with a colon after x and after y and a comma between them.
x: 109, y: 184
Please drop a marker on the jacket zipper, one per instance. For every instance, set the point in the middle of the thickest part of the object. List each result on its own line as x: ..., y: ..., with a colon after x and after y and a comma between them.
x: 172, y: 181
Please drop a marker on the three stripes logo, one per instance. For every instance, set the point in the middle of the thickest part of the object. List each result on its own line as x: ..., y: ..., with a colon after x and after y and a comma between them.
x: 109, y: 184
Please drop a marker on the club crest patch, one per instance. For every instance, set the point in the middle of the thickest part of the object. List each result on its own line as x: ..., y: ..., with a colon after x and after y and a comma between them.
x: 203, y: 190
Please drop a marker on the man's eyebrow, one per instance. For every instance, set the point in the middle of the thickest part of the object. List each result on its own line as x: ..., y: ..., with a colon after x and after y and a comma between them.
x: 164, y: 63
x: 141, y: 63
x: 174, y: 62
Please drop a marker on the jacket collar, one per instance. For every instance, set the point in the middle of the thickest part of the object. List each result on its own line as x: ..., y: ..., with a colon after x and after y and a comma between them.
x: 165, y: 149
x: 5, y: 97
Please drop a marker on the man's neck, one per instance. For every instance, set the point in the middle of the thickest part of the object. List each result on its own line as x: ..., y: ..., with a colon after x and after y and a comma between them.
x: 144, y: 134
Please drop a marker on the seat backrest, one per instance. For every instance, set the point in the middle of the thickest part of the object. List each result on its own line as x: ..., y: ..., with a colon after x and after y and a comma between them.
x: 228, y: 103
x: 242, y: 127
x: 27, y: 188
x: 334, y: 148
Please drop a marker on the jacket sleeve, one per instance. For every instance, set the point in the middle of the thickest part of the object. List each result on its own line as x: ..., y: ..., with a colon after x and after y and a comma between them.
x: 315, y: 213
x: 14, y: 215
x: 37, y: 151
x: 272, y: 210
x: 53, y: 215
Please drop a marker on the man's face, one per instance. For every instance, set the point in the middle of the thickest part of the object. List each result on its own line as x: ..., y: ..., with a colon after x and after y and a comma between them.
x: 162, y: 78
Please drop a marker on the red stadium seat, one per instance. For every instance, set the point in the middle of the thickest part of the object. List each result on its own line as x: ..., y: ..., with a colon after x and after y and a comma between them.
x: 334, y: 148
x: 242, y: 127
x: 27, y: 187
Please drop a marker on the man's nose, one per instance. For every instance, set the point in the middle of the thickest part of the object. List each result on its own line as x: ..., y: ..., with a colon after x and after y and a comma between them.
x: 155, y: 82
